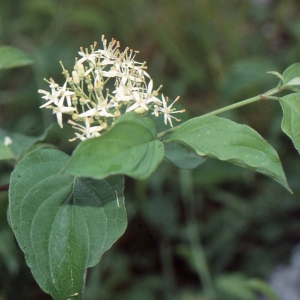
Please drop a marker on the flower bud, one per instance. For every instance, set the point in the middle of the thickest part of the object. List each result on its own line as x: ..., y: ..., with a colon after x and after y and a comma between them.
x: 76, y: 78
x: 90, y: 88
x: 70, y: 81
x: 82, y: 101
x: 80, y: 71
x: 74, y: 100
x: 88, y: 79
x: 140, y: 110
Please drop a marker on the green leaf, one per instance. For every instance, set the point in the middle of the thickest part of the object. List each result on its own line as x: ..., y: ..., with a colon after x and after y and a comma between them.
x: 182, y: 156
x: 277, y: 75
x: 20, y: 143
x: 291, y: 72
x: 11, y: 57
x: 63, y: 224
x: 5, y: 152
x: 291, y: 117
x: 130, y: 147
x: 226, y: 140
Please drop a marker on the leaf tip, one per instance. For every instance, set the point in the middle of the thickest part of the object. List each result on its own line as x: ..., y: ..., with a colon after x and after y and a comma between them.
x: 286, y: 185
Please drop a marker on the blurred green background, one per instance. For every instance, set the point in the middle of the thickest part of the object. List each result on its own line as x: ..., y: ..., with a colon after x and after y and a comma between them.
x: 211, y: 53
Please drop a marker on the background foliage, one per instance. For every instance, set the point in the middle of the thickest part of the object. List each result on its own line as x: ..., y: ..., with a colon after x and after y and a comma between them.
x: 212, y: 53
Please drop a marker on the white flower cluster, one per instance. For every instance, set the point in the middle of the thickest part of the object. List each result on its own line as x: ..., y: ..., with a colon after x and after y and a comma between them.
x: 92, y: 106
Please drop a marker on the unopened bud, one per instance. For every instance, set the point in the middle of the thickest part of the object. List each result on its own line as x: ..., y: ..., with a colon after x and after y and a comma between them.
x: 80, y: 71
x: 90, y: 88
x: 74, y: 100
x: 88, y: 79
x: 140, y: 110
x: 70, y: 81
x: 82, y: 101
x: 76, y: 78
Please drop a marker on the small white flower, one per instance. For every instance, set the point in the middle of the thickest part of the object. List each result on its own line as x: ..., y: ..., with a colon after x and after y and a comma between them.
x: 139, y: 102
x: 94, y: 112
x: 90, y: 57
x: 123, y: 93
x: 168, y: 110
x: 111, y: 52
x: 104, y: 105
x: 63, y: 92
x: 87, y: 131
x: 56, y: 93
x: 53, y: 97
x: 128, y: 60
x: 101, y: 109
x: 150, y: 94
x: 128, y: 75
x: 61, y: 109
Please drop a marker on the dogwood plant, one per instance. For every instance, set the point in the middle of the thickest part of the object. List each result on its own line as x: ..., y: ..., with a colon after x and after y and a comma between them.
x: 67, y: 211
x: 86, y: 97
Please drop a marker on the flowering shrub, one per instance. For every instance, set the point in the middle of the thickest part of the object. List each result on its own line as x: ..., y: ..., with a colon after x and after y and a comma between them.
x: 67, y: 211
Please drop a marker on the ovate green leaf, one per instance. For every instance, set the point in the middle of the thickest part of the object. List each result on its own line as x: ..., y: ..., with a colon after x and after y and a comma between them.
x: 291, y: 73
x: 291, y: 117
x: 130, y: 147
x: 226, y: 140
x: 63, y: 224
x: 11, y: 57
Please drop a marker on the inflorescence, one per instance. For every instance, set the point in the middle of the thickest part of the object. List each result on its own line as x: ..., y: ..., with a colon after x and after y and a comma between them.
x: 87, y: 99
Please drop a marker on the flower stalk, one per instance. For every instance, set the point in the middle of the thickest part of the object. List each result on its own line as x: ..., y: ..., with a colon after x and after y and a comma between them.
x: 265, y: 96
